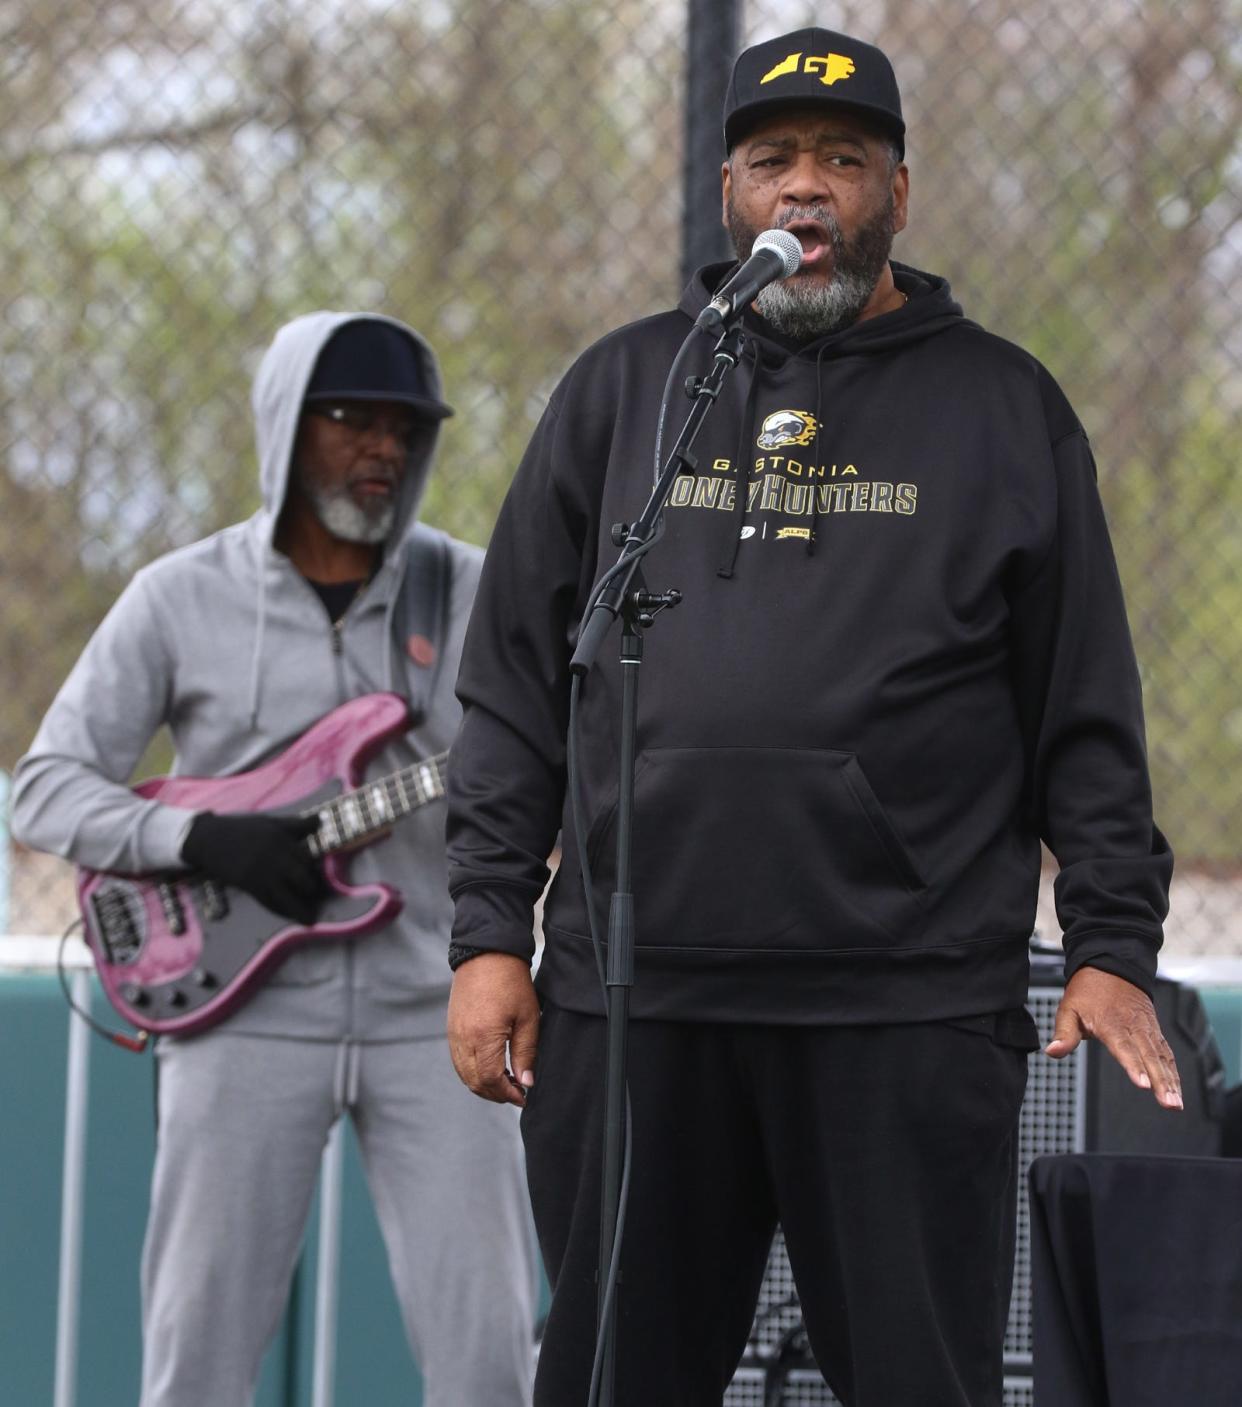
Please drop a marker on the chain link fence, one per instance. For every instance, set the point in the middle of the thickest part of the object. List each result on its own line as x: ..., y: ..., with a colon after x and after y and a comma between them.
x: 506, y: 175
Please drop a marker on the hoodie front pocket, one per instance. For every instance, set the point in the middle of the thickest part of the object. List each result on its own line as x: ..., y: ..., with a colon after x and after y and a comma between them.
x: 763, y: 848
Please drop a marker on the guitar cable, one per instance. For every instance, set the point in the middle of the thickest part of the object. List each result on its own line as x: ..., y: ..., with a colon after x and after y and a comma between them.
x: 136, y: 1043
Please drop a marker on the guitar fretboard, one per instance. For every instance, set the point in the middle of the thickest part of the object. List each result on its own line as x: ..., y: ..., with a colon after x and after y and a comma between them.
x: 356, y: 816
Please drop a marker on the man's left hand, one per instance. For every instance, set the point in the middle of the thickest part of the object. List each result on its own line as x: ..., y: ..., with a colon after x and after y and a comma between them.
x: 1099, y: 1006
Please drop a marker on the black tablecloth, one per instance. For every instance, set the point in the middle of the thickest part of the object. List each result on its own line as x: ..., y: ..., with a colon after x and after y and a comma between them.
x: 1136, y: 1265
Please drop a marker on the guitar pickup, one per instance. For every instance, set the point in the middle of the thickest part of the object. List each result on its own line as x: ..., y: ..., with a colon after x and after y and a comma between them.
x: 215, y: 901
x: 174, y: 914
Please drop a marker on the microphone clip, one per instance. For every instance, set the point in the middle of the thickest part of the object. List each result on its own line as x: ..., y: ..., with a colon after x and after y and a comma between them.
x: 646, y: 605
x: 697, y: 386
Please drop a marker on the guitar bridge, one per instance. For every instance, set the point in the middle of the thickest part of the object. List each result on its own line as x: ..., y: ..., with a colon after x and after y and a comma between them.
x: 120, y: 922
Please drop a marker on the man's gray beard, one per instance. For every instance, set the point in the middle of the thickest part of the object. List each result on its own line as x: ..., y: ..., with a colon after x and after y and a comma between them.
x: 803, y: 309
x: 807, y: 310
x: 345, y: 520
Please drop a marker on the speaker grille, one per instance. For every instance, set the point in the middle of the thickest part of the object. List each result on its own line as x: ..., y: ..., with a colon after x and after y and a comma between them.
x: 804, y: 1387
x: 778, y: 1313
x: 1053, y: 1120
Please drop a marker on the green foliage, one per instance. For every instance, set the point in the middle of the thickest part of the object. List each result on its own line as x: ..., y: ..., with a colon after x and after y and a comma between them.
x: 1180, y: 556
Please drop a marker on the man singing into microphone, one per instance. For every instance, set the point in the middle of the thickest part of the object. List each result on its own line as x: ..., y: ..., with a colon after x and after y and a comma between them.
x: 901, y: 660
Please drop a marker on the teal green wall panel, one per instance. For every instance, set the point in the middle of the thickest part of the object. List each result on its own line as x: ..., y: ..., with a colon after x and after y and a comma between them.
x: 34, y: 1034
x: 1224, y: 1011
x: 373, y: 1362
x: 32, y: 1080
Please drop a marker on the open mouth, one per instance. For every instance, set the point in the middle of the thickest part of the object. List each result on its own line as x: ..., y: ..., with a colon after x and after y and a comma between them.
x: 815, y: 241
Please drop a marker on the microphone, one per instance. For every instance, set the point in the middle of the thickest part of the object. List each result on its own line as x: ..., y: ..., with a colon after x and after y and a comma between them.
x: 776, y: 254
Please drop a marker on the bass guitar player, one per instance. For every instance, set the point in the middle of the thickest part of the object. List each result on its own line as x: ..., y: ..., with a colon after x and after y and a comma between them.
x: 326, y: 604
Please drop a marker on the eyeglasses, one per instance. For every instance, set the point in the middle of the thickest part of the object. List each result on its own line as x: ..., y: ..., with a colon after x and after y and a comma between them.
x: 361, y: 418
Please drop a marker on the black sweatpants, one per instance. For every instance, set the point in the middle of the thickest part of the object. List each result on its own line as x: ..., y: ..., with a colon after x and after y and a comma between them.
x: 887, y: 1154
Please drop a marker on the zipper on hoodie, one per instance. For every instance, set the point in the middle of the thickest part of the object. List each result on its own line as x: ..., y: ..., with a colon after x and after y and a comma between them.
x: 335, y: 630
x: 336, y: 637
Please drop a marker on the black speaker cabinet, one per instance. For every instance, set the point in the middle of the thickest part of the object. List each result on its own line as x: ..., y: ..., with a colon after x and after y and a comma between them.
x: 1084, y: 1103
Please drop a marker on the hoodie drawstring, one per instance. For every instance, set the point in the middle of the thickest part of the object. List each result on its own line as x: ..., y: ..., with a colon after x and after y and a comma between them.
x: 256, y: 658
x: 816, y: 459
x: 741, y: 464
x: 395, y: 685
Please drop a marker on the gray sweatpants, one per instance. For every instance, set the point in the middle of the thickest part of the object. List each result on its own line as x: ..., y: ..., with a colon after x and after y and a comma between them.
x: 243, y: 1124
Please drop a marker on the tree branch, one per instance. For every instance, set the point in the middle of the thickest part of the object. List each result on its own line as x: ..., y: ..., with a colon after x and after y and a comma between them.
x: 172, y: 134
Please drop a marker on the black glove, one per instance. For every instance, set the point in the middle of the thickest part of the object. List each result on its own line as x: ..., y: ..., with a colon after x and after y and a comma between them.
x: 264, y: 855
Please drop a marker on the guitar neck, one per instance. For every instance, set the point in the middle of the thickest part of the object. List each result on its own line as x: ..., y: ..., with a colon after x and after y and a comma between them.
x: 357, y: 816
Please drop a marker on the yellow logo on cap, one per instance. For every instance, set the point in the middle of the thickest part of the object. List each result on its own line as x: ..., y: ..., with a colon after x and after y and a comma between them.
x: 835, y: 66
x: 787, y: 65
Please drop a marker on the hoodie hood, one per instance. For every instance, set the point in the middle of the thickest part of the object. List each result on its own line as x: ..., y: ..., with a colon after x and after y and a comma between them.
x: 280, y: 388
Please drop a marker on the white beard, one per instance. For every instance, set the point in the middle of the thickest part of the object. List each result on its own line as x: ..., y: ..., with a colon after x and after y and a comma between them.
x: 344, y: 519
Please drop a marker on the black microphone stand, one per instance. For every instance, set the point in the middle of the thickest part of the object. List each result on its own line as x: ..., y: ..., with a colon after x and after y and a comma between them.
x: 624, y: 595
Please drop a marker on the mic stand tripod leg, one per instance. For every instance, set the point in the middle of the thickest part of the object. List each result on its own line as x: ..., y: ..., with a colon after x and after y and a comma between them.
x: 621, y: 593
x: 638, y: 611
x: 619, y: 979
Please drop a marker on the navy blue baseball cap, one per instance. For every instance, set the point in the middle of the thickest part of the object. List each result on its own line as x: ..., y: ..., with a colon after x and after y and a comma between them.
x: 368, y: 360
x: 808, y: 68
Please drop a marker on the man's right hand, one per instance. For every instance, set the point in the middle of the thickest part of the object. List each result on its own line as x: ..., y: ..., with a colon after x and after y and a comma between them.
x: 265, y: 855
x: 493, y: 1004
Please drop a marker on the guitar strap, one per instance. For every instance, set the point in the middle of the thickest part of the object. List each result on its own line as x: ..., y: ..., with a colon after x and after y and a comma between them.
x: 420, y: 621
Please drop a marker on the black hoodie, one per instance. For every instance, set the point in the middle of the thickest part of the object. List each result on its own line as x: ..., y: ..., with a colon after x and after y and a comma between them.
x: 901, y: 660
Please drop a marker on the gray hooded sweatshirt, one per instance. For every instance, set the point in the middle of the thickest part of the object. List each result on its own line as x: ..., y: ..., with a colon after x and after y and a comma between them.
x: 227, y: 644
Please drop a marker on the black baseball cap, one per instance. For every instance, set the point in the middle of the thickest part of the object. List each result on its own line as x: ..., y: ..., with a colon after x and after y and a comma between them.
x: 809, y: 67
x: 368, y: 360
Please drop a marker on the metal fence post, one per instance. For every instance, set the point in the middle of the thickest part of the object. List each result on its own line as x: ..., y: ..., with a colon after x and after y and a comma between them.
x: 69, y: 1281
x: 712, y: 41
x: 323, y: 1384
x: 6, y: 850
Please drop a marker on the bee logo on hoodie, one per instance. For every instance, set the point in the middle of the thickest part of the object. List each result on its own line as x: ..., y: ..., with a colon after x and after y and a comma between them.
x: 787, y: 427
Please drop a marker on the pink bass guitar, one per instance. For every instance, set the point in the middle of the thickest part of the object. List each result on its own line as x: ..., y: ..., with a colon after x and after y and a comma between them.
x: 176, y: 952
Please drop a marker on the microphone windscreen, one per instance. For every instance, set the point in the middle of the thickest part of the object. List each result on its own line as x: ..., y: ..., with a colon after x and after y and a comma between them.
x: 784, y: 244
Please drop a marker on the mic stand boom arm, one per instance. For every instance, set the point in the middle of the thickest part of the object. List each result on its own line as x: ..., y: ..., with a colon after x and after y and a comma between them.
x: 637, y: 607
